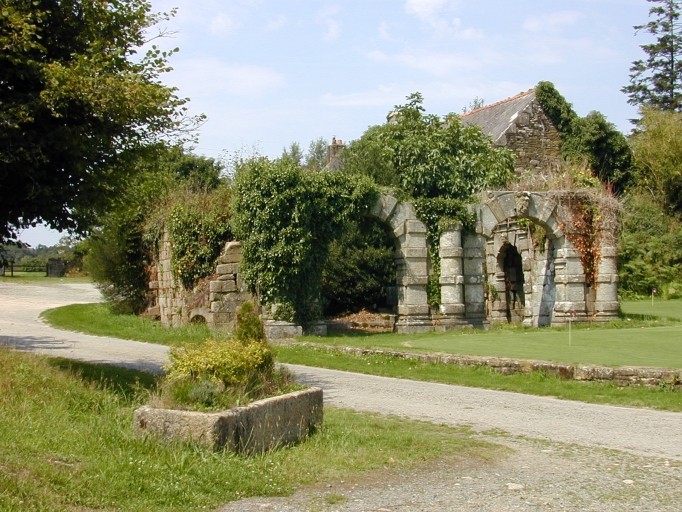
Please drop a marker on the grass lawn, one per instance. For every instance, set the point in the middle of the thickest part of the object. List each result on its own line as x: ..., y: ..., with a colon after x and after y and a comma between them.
x: 669, y: 308
x: 98, y: 319
x: 66, y: 443
x: 645, y: 340
x: 23, y: 277
x: 542, y: 344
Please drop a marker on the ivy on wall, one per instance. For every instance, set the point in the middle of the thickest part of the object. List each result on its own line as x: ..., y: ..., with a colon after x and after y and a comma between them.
x: 286, y: 219
x: 591, y: 138
x: 198, y: 225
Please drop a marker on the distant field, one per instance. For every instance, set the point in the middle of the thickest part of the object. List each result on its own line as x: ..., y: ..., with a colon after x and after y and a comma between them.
x: 670, y: 308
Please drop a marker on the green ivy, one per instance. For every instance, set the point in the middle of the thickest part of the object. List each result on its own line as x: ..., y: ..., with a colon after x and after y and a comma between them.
x: 286, y: 219
x: 198, y: 225
x: 591, y: 137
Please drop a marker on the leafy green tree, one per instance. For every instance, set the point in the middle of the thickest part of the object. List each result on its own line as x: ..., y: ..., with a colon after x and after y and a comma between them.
x: 293, y: 154
x: 360, y: 266
x: 316, y: 156
x: 657, y: 148
x: 429, y: 157
x: 657, y: 81
x: 649, y: 247
x: 77, y: 105
x: 119, y: 248
x: 591, y: 138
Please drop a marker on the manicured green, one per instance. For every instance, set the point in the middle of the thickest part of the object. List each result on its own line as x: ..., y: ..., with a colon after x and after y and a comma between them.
x: 66, y: 443
x: 665, y: 308
x: 40, y: 278
x: 537, y: 383
x: 660, y: 347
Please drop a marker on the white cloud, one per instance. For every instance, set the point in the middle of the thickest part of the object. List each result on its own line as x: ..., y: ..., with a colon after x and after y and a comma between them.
x: 382, y: 96
x: 327, y: 18
x: 208, y: 76
x: 435, y: 63
x: 277, y: 23
x: 425, y: 9
x: 221, y: 24
x: 551, y: 22
x: 384, y: 33
x: 377, y: 55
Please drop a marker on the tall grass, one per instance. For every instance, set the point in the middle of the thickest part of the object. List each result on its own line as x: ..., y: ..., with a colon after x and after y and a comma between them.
x: 66, y: 443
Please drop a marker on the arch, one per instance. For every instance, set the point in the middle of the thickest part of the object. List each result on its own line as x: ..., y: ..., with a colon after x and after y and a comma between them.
x: 409, y: 233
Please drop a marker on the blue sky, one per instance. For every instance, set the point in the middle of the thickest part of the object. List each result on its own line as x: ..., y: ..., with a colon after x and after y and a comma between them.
x: 267, y: 73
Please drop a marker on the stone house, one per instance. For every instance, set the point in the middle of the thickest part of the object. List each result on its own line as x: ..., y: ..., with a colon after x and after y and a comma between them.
x: 520, y: 124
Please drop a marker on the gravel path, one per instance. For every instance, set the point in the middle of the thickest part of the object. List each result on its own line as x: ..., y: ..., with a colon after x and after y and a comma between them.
x: 566, y: 455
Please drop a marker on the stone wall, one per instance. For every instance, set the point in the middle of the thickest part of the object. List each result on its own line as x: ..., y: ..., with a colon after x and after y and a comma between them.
x: 621, y: 376
x: 214, y: 300
x: 534, y: 140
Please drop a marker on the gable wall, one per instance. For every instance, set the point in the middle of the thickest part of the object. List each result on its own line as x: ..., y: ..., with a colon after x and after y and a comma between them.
x: 534, y: 140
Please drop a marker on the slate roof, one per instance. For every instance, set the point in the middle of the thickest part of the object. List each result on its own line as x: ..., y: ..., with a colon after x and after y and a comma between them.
x: 497, y: 118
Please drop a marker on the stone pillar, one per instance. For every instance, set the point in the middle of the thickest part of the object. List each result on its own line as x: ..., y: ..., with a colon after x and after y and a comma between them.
x: 570, y: 286
x: 606, y: 302
x: 413, y: 307
x: 451, y: 279
x: 474, y: 280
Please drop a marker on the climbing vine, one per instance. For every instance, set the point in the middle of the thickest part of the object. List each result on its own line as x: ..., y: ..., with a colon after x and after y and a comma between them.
x: 286, y: 219
x: 438, y: 214
x: 198, y: 225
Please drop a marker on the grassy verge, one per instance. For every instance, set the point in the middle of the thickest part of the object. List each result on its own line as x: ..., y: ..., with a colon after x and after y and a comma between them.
x: 537, y: 383
x: 66, y: 443
x: 98, y: 319
x: 41, y: 278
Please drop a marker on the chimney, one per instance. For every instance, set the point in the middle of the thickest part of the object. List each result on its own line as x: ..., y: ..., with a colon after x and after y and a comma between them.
x: 333, y: 150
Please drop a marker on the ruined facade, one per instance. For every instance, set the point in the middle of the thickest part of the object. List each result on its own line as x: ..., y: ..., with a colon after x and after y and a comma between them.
x: 520, y: 124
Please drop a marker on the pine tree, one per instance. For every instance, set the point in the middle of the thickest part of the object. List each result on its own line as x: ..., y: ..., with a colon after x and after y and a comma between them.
x: 657, y: 80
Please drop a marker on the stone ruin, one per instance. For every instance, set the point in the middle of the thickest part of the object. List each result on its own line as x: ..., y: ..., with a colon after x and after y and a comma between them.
x: 496, y: 273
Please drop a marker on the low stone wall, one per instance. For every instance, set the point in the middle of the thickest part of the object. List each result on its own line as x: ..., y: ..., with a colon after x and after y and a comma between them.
x: 255, y: 428
x: 621, y: 376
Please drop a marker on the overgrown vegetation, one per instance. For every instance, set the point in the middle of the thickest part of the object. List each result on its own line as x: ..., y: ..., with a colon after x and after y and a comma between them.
x: 121, y: 249
x: 222, y: 374
x: 286, y: 219
x: 591, y: 138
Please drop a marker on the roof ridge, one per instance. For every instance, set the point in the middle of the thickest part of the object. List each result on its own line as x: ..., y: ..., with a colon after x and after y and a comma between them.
x: 520, y: 95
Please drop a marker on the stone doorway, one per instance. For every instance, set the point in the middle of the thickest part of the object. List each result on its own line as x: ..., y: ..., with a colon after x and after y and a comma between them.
x: 510, y: 265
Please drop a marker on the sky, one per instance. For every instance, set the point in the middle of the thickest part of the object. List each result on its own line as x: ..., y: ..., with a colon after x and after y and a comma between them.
x: 267, y: 73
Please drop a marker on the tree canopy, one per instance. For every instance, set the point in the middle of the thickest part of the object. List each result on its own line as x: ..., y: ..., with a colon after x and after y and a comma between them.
x: 77, y: 106
x: 657, y: 80
x: 592, y: 138
x: 429, y: 157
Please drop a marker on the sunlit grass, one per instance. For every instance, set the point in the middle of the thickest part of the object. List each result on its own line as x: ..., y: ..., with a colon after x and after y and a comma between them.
x: 66, y: 443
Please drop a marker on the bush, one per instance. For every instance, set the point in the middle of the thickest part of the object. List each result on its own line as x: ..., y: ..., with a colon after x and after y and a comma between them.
x: 249, y: 326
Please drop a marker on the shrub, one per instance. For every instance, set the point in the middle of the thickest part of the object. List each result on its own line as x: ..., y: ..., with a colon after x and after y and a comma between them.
x: 249, y: 326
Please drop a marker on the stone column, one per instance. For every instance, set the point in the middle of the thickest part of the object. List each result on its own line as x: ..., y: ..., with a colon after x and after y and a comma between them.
x: 606, y: 302
x: 474, y: 280
x: 451, y: 279
x: 413, y: 307
x: 570, y: 285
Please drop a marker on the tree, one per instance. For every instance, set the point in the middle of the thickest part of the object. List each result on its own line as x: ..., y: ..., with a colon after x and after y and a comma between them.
x: 429, y: 157
x: 591, y: 138
x: 316, y: 157
x: 77, y: 106
x: 657, y: 148
x: 657, y: 81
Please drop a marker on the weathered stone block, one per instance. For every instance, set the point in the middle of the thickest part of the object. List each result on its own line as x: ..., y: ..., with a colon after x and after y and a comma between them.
x: 227, y: 268
x: 277, y: 330
x: 384, y: 207
x: 261, y: 426
x: 223, y: 286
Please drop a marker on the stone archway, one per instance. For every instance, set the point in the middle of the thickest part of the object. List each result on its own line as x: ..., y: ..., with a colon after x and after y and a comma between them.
x: 411, y: 257
x: 554, y: 282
